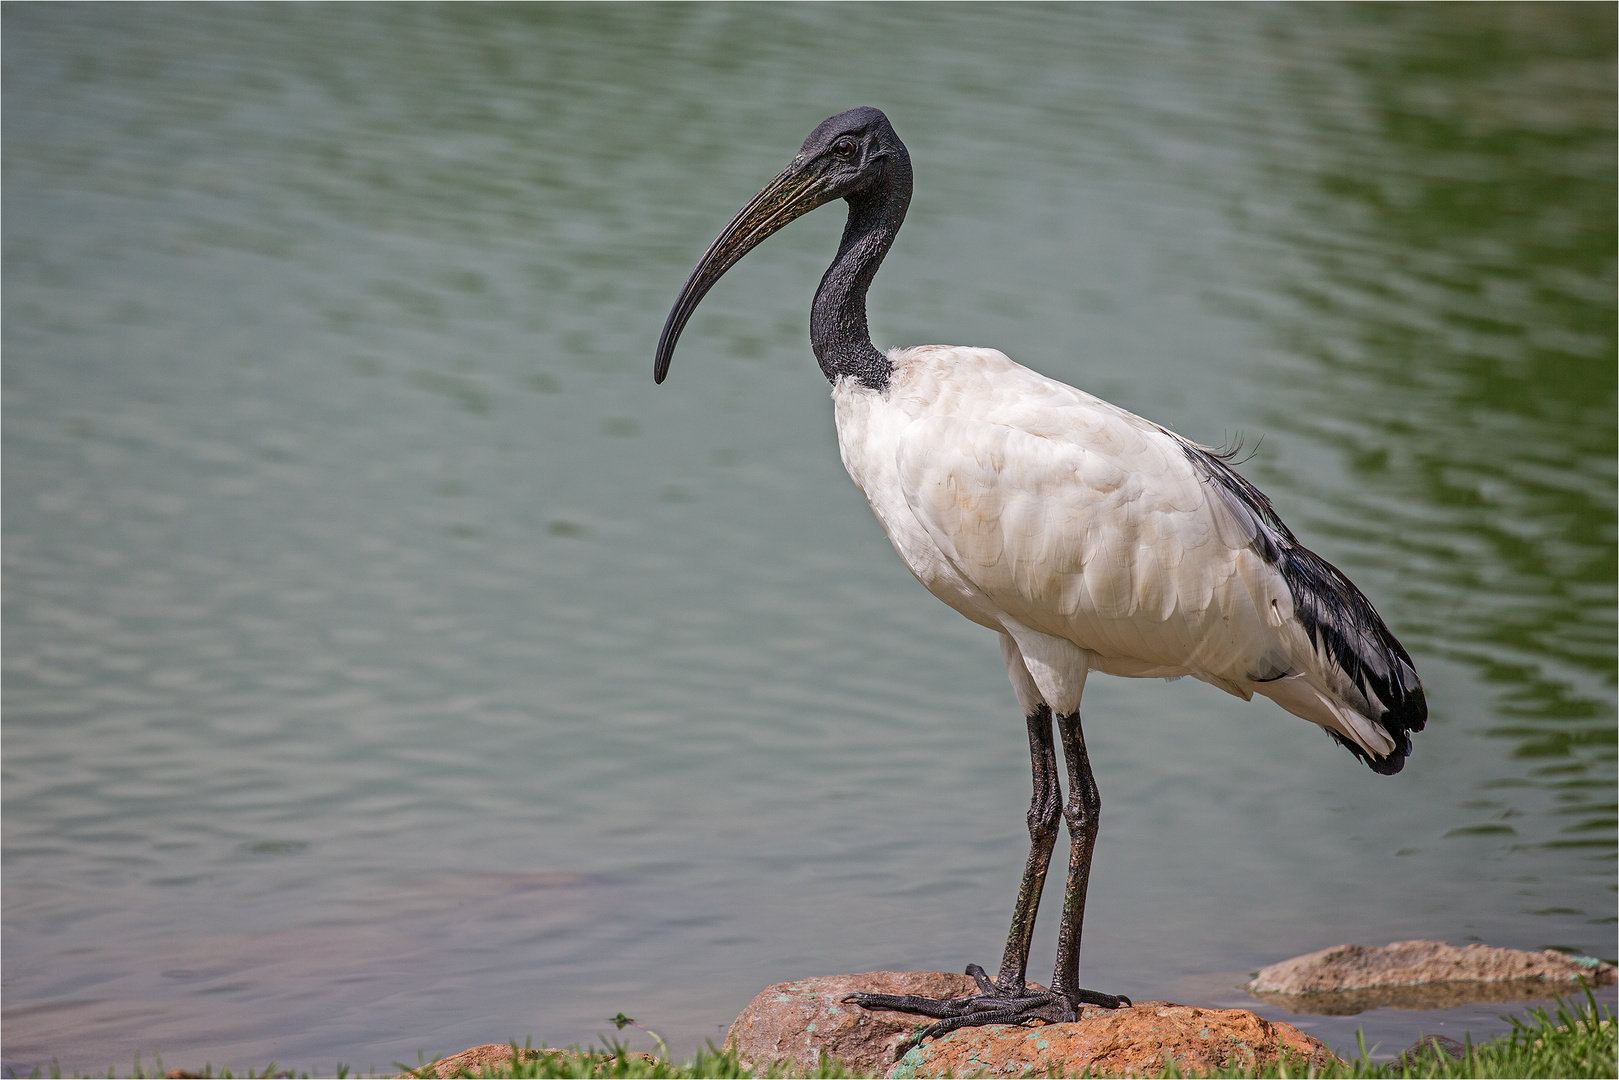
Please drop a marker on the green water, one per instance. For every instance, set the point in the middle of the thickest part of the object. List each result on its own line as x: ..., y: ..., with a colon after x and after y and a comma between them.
x: 390, y: 666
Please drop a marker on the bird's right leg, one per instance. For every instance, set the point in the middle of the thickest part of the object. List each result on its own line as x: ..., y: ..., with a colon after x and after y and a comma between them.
x: 1007, y: 1000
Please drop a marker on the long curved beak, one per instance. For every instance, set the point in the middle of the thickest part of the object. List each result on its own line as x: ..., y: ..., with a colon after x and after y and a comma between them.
x: 794, y: 193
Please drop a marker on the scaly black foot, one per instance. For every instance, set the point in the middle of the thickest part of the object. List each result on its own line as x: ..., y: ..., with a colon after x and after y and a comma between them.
x: 991, y: 1006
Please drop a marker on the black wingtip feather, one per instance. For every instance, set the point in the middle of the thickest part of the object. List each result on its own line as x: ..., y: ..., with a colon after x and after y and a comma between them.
x: 1342, y: 622
x: 1398, y: 725
x: 1339, y: 619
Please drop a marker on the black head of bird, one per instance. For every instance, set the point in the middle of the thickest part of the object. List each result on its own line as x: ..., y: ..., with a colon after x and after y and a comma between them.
x: 855, y: 156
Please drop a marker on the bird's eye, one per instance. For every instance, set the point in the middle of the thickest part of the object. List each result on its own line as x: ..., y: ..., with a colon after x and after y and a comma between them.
x: 844, y: 147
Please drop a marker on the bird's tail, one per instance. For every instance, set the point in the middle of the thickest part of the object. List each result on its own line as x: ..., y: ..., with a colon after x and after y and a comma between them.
x: 1361, y: 685
x: 1355, y: 679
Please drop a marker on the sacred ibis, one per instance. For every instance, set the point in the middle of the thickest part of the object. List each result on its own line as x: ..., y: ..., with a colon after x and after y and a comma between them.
x: 1088, y: 538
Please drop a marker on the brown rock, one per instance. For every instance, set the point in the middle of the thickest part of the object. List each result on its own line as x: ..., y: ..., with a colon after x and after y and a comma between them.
x: 1431, y: 1046
x: 1116, y: 1042
x: 493, y: 1056
x: 472, y: 1062
x: 793, y: 1023
x: 1414, y: 963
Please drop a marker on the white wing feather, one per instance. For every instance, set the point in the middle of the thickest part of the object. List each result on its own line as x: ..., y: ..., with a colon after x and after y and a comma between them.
x: 1118, y: 551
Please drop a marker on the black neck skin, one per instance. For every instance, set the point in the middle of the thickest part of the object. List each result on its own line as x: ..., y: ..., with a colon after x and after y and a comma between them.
x: 838, y: 330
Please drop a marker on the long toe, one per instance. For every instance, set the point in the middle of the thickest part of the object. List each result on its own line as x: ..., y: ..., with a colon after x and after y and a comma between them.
x: 976, y: 1019
x: 974, y: 1011
x: 1106, y: 1001
x: 909, y: 1003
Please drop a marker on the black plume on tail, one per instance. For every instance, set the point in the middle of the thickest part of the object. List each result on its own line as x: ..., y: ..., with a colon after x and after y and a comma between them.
x: 1341, y: 622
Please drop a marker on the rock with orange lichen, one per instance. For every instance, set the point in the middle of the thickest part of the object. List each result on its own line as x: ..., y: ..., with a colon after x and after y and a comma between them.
x: 791, y: 1025
x: 1117, y: 1042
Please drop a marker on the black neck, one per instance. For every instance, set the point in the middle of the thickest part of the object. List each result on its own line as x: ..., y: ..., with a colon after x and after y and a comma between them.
x: 838, y: 330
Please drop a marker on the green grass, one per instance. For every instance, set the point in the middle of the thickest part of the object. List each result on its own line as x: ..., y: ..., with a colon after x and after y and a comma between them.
x: 1575, y: 1039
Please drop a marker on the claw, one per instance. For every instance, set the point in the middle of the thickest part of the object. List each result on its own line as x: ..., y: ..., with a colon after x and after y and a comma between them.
x: 1106, y: 1001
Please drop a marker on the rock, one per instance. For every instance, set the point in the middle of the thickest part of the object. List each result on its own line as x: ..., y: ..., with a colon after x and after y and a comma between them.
x: 1430, y: 1046
x: 1116, y: 1042
x: 793, y: 1023
x: 472, y: 1062
x: 497, y: 1055
x: 1414, y: 963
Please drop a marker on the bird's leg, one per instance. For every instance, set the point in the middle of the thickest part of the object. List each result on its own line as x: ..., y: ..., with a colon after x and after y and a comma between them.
x: 1045, y: 809
x: 1008, y: 1000
x: 1082, y: 814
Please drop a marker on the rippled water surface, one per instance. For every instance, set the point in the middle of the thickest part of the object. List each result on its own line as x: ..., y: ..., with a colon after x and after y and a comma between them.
x: 390, y: 666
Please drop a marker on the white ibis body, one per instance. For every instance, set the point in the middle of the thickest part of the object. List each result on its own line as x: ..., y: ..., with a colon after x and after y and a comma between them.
x: 1088, y: 538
